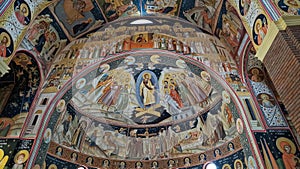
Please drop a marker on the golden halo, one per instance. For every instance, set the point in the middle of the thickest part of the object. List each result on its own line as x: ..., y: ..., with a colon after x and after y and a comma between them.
x: 52, y: 166
x: 239, y: 126
x: 23, y: 5
x: 1, y: 154
x: 258, y: 21
x: 204, y: 74
x: 242, y: 3
x: 236, y: 161
x: 21, y: 58
x: 36, y: 166
x: 225, y: 96
x: 171, y: 85
x: 264, y: 96
x: 144, y: 75
x: 4, y: 34
x: 44, y: 165
x: 25, y: 153
x: 226, y: 165
x: 255, y: 71
x: 295, y: 5
x: 281, y: 139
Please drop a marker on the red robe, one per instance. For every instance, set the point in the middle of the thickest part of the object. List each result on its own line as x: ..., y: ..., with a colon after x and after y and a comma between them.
x: 176, y: 97
x: 2, y: 50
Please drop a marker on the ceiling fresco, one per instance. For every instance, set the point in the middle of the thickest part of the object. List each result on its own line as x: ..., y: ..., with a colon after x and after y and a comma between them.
x: 129, y: 88
x: 75, y: 19
x: 18, y: 90
x: 138, y: 84
x: 121, y: 109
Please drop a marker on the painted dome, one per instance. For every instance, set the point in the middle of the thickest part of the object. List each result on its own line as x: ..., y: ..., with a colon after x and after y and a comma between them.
x: 140, y: 98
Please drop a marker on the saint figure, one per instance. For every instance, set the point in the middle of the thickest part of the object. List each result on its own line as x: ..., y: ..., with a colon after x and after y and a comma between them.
x: 147, y: 90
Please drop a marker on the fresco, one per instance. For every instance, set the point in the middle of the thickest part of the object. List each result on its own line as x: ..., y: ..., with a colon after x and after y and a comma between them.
x: 22, y: 12
x: 45, y: 37
x: 6, y: 44
x: 267, y: 102
x: 20, y: 87
x: 152, y: 7
x: 229, y: 28
x: 14, y: 153
x: 77, y: 17
x: 125, y: 110
x: 85, y: 52
x: 202, y: 13
x: 115, y: 9
x: 244, y: 6
x: 153, y: 102
x: 260, y: 29
x: 289, y: 7
x: 278, y: 149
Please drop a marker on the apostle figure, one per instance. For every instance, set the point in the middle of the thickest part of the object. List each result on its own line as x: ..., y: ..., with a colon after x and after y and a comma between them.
x: 78, y: 135
x: 3, y: 45
x: 288, y: 152
x: 22, y: 13
x: 174, y: 94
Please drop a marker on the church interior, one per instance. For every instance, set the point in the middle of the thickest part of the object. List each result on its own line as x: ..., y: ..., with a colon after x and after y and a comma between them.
x: 149, y: 84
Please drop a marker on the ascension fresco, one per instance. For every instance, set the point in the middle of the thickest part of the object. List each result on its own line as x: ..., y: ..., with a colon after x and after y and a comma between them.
x: 125, y: 110
x: 139, y: 96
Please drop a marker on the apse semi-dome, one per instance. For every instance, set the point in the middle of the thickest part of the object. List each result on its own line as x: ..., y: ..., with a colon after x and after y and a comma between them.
x: 143, y: 96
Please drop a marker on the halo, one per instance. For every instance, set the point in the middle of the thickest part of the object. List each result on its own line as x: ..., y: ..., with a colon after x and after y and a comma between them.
x: 171, y: 85
x: 226, y: 165
x: 186, y: 158
x: 251, y: 160
x: 240, y: 128
x: 4, y: 34
x: 226, y: 96
x: 204, y: 73
x: 154, y: 162
x: 1, y: 153
x: 258, y: 21
x: 242, y: 3
x: 47, y: 135
x: 167, y: 75
x: 36, y: 167
x: 262, y: 96
x: 26, y: 155
x: 23, y: 5
x: 147, y: 74
x: 22, y: 57
x: 80, y: 83
x: 292, y: 5
x: 236, y: 161
x: 52, y: 166
x: 108, y: 162
x: 254, y: 70
x: 281, y: 139
x: 138, y: 163
x: 60, y: 105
